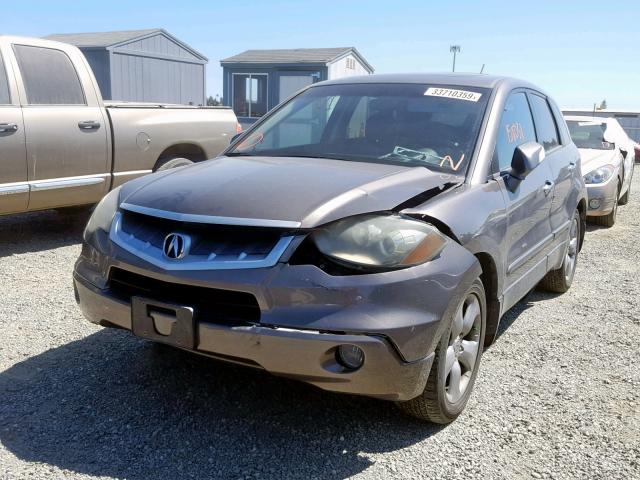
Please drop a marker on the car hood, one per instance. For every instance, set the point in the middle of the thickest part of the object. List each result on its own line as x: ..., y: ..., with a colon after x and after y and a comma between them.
x: 297, y: 192
x: 592, y: 158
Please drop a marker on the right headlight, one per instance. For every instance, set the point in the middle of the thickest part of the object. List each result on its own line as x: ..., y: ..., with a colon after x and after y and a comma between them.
x: 103, y: 214
x: 380, y: 241
x: 599, y: 175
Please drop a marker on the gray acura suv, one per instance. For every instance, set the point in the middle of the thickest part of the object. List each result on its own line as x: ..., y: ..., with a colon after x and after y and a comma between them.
x: 366, y: 236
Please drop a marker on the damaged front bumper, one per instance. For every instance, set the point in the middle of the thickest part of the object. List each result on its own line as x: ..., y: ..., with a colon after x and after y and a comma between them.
x: 396, y: 318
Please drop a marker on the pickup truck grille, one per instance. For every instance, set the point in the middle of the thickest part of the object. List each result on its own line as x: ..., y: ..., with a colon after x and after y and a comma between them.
x: 223, y: 307
x: 212, y: 246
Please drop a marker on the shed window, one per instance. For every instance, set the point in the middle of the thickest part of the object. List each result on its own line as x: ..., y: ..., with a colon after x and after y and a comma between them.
x: 250, y: 94
x: 4, y: 85
x: 49, y: 76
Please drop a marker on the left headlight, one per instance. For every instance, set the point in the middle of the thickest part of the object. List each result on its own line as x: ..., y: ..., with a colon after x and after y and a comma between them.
x: 103, y: 214
x: 599, y: 175
x: 378, y: 241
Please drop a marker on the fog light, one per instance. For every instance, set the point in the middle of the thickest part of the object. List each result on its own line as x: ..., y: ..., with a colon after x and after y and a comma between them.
x: 594, y: 203
x: 350, y: 356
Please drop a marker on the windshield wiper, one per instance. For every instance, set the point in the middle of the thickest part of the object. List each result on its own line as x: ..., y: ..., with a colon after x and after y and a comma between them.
x: 239, y: 154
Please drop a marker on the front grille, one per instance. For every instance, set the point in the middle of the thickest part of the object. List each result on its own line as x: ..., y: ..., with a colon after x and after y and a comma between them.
x: 223, y: 307
x: 218, y: 243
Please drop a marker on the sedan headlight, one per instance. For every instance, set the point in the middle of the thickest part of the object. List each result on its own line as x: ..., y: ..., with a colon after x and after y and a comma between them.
x: 599, y: 175
x: 378, y: 241
x: 103, y: 214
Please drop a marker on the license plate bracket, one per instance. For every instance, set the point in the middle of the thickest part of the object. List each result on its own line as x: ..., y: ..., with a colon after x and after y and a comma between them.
x: 163, y: 322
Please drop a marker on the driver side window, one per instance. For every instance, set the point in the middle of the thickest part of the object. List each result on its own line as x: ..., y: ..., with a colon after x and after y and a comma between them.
x: 516, y: 128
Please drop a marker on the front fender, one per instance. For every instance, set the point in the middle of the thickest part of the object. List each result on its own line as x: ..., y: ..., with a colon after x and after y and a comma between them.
x: 412, y: 308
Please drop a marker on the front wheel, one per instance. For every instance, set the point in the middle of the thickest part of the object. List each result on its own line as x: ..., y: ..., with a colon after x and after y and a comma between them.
x: 625, y: 198
x: 560, y: 280
x: 456, y: 362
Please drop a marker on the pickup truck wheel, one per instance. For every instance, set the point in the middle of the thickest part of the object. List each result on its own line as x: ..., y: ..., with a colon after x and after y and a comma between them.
x: 456, y: 362
x: 560, y: 280
x: 166, y: 164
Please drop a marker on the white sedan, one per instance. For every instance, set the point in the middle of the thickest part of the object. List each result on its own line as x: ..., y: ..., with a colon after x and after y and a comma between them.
x: 607, y: 155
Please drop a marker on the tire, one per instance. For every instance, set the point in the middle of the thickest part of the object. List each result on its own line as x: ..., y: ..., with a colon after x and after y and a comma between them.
x: 438, y: 403
x: 610, y: 219
x: 167, y: 163
x: 560, y: 280
x: 625, y: 198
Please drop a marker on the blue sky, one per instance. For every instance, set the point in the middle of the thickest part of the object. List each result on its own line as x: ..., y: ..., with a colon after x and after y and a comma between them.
x: 579, y: 51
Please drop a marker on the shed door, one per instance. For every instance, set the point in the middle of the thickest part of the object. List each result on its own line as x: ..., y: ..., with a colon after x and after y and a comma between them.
x: 291, y: 82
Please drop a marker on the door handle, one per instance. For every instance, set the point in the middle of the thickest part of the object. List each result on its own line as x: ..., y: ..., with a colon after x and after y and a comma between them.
x: 8, y: 127
x: 572, y: 165
x: 89, y: 125
x: 548, y: 186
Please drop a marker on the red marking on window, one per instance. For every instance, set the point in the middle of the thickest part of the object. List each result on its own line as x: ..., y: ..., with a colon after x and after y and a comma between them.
x: 515, y: 132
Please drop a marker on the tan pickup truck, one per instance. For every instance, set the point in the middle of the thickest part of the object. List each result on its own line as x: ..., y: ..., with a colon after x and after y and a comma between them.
x: 61, y: 145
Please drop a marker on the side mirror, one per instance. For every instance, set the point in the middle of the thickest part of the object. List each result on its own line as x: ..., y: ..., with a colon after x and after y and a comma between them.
x: 526, y: 158
x: 235, y: 137
x: 624, y: 153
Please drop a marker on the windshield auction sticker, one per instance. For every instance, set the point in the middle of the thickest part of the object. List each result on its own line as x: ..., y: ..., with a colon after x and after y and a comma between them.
x: 451, y: 93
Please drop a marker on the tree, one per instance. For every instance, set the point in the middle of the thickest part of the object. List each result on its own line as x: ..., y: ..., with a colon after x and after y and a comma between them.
x: 214, y: 102
x: 603, y: 105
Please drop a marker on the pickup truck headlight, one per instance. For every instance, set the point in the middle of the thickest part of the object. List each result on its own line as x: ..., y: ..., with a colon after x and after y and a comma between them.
x: 103, y: 214
x: 378, y: 241
x: 599, y: 175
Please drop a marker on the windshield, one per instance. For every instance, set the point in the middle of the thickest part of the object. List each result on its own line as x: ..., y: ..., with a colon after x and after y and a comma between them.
x: 406, y: 124
x: 589, y: 135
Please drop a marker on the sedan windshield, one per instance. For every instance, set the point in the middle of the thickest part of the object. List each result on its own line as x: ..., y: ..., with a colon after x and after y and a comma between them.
x: 589, y: 135
x: 406, y: 124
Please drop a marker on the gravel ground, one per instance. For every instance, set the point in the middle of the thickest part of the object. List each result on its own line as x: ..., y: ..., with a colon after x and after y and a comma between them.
x: 556, y: 396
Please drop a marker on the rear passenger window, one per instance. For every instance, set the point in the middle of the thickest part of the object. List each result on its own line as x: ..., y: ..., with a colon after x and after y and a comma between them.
x: 545, y: 123
x: 49, y: 76
x: 516, y: 128
x: 4, y: 85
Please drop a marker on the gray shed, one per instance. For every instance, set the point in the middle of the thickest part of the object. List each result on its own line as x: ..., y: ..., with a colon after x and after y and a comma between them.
x: 142, y: 65
x: 255, y: 81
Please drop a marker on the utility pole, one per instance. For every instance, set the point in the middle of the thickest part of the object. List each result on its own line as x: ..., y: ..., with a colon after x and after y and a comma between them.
x: 454, y: 49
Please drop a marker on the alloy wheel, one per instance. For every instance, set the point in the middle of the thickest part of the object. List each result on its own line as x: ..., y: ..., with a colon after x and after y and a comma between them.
x: 463, y: 348
x: 572, y: 250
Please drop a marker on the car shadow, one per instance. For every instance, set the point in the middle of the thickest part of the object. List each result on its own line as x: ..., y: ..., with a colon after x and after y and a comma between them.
x: 39, y: 231
x: 113, y: 405
x: 591, y: 227
x: 534, y: 296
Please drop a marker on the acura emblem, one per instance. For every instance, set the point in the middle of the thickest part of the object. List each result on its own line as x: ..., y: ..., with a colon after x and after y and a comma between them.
x: 176, y: 246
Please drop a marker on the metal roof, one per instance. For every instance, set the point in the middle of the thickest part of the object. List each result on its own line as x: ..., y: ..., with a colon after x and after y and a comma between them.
x: 112, y: 39
x: 604, y: 111
x: 295, y: 55
x: 101, y: 39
